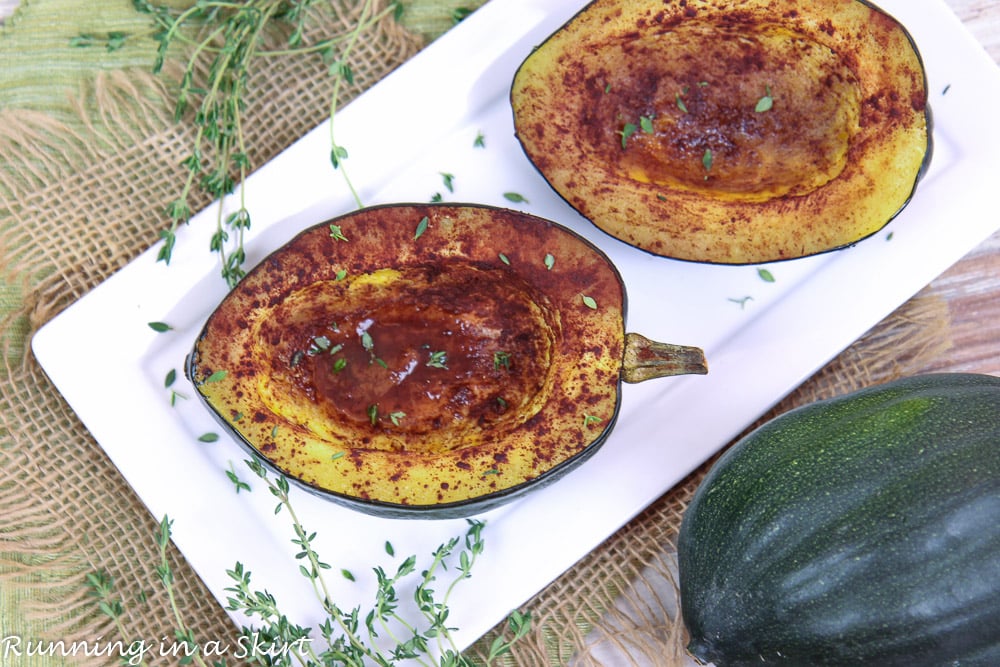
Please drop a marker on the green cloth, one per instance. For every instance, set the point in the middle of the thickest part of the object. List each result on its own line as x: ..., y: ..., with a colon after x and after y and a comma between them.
x: 51, y: 51
x: 44, y: 63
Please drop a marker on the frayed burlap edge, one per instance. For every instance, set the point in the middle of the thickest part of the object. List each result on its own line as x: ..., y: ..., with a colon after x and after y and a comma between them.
x: 618, y: 606
x: 77, y: 202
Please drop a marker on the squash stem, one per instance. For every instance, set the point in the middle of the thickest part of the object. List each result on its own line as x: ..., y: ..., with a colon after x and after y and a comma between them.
x: 645, y: 359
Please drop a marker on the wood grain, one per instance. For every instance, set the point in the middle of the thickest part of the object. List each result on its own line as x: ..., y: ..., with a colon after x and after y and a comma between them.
x: 972, y: 286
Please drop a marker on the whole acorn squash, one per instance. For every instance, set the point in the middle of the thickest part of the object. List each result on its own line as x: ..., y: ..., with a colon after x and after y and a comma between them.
x: 728, y: 131
x: 860, y: 530
x: 430, y: 361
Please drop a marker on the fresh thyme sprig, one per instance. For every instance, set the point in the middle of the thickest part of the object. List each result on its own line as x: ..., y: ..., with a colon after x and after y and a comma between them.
x: 351, y: 640
x: 101, y: 587
x: 342, y: 631
x: 183, y: 634
x: 225, y: 40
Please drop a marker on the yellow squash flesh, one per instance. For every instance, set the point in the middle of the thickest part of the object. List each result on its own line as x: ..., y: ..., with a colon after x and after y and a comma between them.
x: 422, y: 360
x: 728, y: 131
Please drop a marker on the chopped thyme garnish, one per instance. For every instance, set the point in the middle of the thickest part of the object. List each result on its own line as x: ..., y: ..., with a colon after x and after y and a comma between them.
x: 743, y: 301
x: 174, y: 395
x: 366, y: 341
x: 765, y: 103
x: 627, y: 131
x: 515, y: 198
x: 319, y: 344
x: 217, y: 376
x: 438, y: 360
x: 449, y: 181
x: 501, y: 359
x: 336, y: 233
x: 421, y: 228
x: 589, y: 302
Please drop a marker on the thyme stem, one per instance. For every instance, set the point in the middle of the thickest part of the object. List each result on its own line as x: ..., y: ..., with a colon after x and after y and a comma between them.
x: 182, y: 631
x: 229, y: 37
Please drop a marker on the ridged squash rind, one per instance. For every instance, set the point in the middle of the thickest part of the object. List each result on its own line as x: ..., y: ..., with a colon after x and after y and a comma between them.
x: 420, y: 361
x: 864, y: 529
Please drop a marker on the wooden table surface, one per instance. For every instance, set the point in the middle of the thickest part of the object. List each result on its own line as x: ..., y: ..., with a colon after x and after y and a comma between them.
x: 972, y: 286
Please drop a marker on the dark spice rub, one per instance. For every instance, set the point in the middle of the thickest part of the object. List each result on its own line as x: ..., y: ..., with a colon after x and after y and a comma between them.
x: 728, y: 131
x: 424, y: 360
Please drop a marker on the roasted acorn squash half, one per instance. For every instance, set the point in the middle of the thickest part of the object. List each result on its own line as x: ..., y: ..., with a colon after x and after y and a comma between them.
x: 728, y: 131
x: 426, y: 361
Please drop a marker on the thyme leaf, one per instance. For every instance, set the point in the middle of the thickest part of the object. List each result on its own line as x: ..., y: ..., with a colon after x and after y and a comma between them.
x: 766, y: 102
x: 438, y: 359
x: 515, y: 198
x: 421, y: 227
x: 627, y: 131
x: 336, y: 233
x: 224, y: 43
x: 501, y: 359
x: 160, y: 327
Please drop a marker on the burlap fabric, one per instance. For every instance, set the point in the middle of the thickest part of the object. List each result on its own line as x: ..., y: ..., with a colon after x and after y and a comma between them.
x: 79, y: 200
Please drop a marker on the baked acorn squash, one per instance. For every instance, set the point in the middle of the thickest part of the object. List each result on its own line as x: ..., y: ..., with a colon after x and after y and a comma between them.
x: 426, y: 361
x: 728, y: 131
x: 859, y: 530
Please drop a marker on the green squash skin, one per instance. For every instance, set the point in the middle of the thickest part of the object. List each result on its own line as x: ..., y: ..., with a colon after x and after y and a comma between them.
x: 863, y: 529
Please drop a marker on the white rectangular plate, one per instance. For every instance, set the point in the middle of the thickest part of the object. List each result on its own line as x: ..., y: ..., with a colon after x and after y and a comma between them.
x: 404, y: 133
